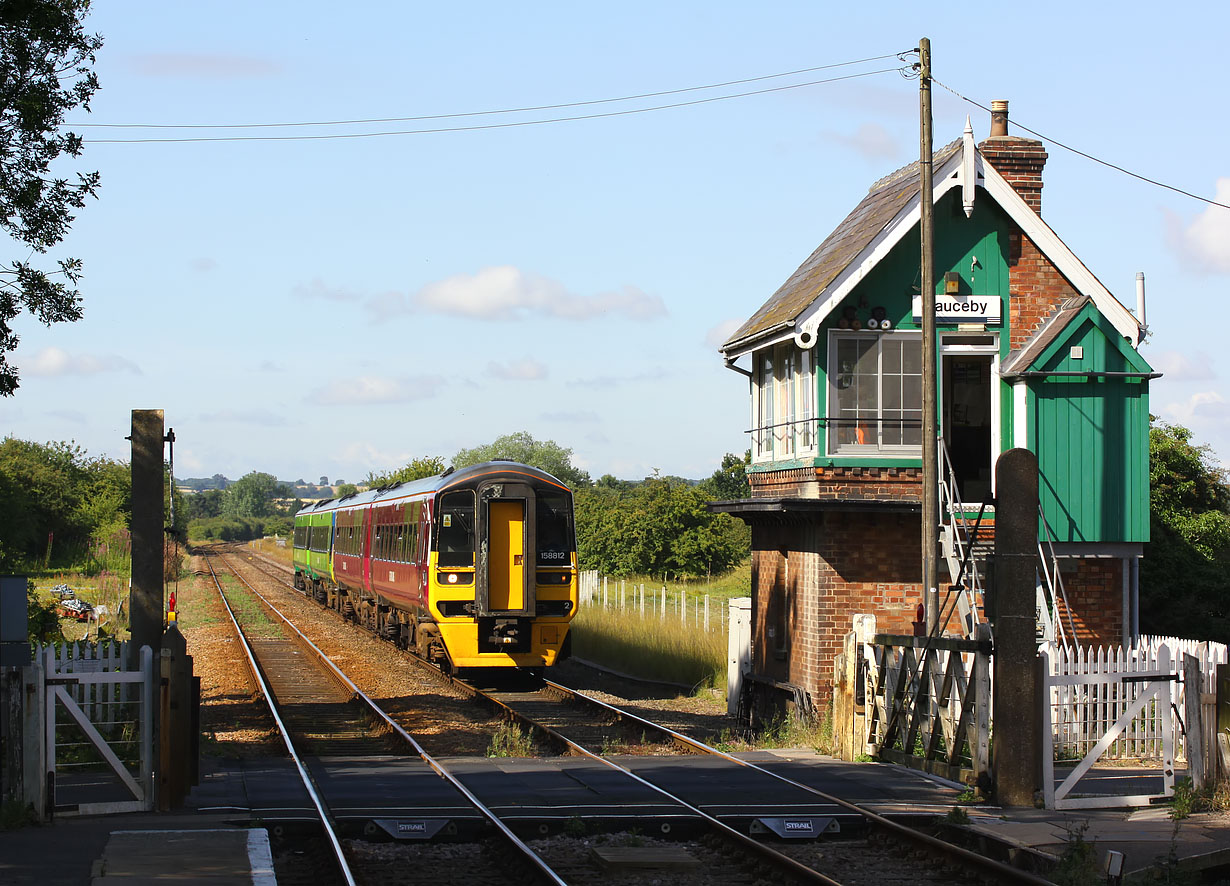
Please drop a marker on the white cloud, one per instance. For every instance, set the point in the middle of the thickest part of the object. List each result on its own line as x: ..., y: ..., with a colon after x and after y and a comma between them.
x: 1205, y: 242
x: 1209, y: 406
x: 718, y: 335
x: 870, y: 141
x: 1178, y: 366
x: 528, y: 369
x: 507, y: 293
x: 52, y: 361
x: 369, y: 390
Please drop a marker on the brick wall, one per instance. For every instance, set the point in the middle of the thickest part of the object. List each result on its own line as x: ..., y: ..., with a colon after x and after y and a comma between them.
x: 840, y: 484
x: 810, y: 578
x: 1094, y: 588
x: 1036, y: 288
x: 1020, y: 162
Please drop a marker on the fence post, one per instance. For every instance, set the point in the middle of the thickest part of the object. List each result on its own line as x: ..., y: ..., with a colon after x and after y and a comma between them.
x: 739, y: 651
x: 1194, y: 739
x: 683, y: 606
x: 642, y: 600
x: 706, y: 613
x: 604, y: 578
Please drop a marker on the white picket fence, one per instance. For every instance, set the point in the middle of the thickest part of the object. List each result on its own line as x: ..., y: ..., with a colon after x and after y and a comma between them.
x: 1083, y: 712
x: 650, y: 601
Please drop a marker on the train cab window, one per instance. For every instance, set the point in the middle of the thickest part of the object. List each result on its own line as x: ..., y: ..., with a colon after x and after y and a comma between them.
x: 554, y: 530
x: 455, y: 529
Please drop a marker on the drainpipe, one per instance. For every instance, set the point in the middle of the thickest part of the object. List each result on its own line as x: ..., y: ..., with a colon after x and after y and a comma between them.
x: 1140, y: 306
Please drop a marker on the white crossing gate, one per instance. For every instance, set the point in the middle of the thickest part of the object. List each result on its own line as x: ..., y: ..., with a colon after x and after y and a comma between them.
x: 98, y: 728
x: 1107, y: 704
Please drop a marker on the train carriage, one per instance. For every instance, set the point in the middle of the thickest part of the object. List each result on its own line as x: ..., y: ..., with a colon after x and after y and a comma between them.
x: 472, y: 568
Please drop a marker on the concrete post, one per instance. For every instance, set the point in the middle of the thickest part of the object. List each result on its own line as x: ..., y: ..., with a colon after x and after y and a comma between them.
x: 1017, y: 749
x: 145, y: 596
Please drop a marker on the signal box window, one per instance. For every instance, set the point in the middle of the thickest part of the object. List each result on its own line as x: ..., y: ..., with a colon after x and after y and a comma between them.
x: 554, y: 530
x: 875, y: 394
x: 455, y: 529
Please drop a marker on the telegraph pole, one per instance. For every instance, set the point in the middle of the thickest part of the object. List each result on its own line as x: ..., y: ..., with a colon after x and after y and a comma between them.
x: 930, y: 441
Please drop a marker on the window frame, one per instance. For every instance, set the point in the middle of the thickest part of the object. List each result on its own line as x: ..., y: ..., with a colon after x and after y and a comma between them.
x: 878, y: 449
x: 783, y: 403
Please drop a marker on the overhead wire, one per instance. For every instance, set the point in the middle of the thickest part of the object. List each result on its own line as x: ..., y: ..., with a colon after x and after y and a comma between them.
x: 522, y: 110
x: 1086, y: 155
x: 481, y: 126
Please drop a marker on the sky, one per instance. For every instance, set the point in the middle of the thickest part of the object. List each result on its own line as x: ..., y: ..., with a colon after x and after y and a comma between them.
x: 334, y: 306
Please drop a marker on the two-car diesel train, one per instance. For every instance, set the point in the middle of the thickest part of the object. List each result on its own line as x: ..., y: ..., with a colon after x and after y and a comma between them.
x: 473, y: 568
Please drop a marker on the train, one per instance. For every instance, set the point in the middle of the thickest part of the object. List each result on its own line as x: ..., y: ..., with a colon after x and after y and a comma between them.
x: 472, y: 568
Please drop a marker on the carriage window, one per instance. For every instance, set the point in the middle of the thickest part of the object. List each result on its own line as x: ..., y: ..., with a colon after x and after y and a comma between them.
x: 455, y: 529
x: 554, y: 530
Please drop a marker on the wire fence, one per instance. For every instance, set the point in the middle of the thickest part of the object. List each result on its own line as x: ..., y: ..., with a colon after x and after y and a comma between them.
x: 648, y: 601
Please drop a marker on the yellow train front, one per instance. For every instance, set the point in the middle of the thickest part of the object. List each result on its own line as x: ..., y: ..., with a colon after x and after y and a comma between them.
x: 471, y: 568
x: 502, y: 568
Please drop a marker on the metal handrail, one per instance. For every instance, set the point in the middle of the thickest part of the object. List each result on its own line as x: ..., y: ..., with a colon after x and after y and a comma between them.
x: 1053, y: 580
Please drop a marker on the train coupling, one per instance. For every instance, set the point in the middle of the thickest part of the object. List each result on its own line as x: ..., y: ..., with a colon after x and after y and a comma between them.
x: 505, y: 632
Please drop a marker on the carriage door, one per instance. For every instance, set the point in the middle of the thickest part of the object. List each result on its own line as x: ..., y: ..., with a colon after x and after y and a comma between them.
x: 970, y: 412
x: 505, y: 573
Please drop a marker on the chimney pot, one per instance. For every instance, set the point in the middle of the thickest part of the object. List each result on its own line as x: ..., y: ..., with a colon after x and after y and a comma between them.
x: 999, y: 117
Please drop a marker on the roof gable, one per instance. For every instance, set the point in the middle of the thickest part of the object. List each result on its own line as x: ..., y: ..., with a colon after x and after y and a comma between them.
x: 882, y: 219
x: 1075, y: 322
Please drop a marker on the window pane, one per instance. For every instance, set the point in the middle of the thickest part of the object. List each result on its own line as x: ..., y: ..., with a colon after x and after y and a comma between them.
x: 892, y: 356
x: 912, y: 356
x: 455, y: 529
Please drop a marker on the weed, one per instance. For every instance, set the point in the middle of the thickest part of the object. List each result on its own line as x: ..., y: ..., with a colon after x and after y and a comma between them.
x: 968, y: 797
x: 510, y: 740
x: 1078, y: 863
x: 575, y: 827
x: 791, y: 731
x: 957, y: 815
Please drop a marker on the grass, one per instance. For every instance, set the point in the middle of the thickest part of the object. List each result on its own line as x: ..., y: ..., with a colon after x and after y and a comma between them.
x: 649, y: 647
x: 510, y: 740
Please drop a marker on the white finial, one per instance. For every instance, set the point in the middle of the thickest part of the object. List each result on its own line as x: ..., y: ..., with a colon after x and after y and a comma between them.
x: 968, y: 173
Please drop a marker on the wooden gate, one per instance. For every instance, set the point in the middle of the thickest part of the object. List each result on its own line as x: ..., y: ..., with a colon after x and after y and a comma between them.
x: 98, y: 728
x: 930, y: 704
x: 1112, y: 704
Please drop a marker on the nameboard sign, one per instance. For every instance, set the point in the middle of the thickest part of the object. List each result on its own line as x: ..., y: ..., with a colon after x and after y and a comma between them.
x: 963, y: 308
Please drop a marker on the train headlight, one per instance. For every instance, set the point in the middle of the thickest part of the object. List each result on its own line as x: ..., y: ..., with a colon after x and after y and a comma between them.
x: 451, y: 578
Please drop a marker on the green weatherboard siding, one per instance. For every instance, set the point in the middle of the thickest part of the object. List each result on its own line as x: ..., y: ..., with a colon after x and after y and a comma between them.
x: 1092, y: 436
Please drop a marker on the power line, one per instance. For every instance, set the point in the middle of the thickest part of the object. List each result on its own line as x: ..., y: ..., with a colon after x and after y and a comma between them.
x: 1081, y: 153
x: 454, y: 116
x: 477, y: 127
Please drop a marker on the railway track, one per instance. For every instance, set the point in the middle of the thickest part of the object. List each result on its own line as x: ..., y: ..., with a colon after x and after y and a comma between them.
x: 315, y: 706
x: 881, y: 851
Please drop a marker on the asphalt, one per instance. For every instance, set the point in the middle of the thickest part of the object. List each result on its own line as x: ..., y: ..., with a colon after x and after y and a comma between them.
x: 221, y: 833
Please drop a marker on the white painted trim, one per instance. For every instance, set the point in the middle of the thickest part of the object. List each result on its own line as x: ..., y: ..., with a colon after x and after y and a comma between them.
x: 952, y: 174
x: 1020, y: 414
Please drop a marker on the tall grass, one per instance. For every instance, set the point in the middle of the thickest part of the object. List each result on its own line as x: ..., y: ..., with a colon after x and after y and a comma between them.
x: 648, y: 647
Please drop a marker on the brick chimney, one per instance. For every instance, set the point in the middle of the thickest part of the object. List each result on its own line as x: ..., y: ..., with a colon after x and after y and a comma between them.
x: 1018, y: 160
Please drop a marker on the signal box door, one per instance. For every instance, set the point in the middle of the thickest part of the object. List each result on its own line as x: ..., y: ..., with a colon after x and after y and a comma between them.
x: 505, y: 573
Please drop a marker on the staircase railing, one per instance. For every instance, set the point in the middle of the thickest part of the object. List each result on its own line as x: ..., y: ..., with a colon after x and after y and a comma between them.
x: 1050, y: 588
x: 957, y: 535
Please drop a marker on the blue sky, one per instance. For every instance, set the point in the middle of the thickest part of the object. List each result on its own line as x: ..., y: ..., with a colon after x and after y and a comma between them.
x: 334, y: 306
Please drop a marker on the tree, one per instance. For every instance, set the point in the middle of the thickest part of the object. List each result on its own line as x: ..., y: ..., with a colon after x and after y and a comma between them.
x: 415, y: 469
x: 45, y: 72
x: 547, y: 455
x: 729, y: 482
x: 345, y: 489
x: 252, y: 495
x: 1185, y: 573
x: 56, y: 501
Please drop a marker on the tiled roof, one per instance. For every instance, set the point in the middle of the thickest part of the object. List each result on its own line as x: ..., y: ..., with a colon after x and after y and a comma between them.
x: 1023, y: 357
x: 883, y: 202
